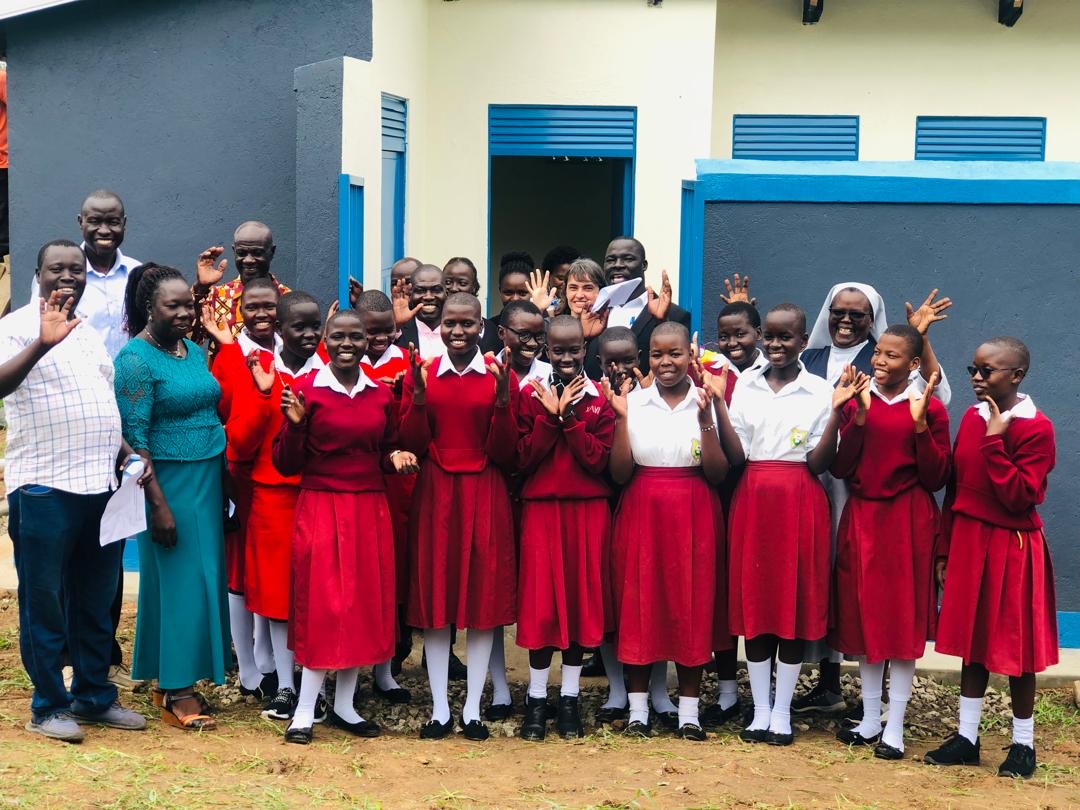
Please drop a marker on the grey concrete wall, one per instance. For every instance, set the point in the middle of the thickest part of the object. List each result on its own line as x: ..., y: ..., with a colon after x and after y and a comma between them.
x: 186, y: 109
x: 1010, y: 269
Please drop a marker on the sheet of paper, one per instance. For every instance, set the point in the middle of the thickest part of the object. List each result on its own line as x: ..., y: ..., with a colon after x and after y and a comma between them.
x: 125, y: 513
x: 615, y: 295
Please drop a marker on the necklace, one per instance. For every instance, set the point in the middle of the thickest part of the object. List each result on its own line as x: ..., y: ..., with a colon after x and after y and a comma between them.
x: 175, y: 352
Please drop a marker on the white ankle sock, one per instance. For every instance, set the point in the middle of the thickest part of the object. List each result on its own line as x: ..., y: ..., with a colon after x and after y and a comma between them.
x: 478, y: 645
x: 500, y: 689
x: 787, y: 676
x: 283, y: 656
x: 901, y: 674
x: 384, y: 679
x: 728, y: 696
x: 243, y: 636
x: 658, y: 691
x: 264, y: 648
x: 871, y: 698
x: 970, y: 715
x: 761, y: 689
x: 311, y: 683
x: 538, y: 682
x: 437, y: 650
x: 1024, y: 731
x: 571, y: 681
x: 639, y: 706
x: 616, y: 696
x: 688, y: 711
x: 345, y: 693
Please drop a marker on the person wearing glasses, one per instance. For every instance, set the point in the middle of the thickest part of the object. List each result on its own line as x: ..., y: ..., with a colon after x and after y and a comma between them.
x: 521, y: 330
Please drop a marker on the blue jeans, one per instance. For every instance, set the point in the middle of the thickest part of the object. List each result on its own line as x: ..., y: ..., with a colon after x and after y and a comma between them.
x: 67, y: 582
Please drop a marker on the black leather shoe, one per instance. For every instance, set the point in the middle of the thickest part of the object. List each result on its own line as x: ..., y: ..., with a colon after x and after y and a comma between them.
x: 434, y: 730
x: 594, y: 667
x: 535, y: 726
x: 691, y: 731
x: 956, y: 750
x: 612, y: 713
x: 568, y: 718
x: 669, y: 720
x: 498, y: 712
x: 849, y: 736
x: 399, y: 696
x: 365, y: 728
x: 885, y: 751
x: 775, y: 738
x: 474, y: 730
x: 635, y: 728
x: 457, y: 670
x: 266, y: 690
x: 714, y: 716
x: 754, y: 735
x: 1020, y: 763
x: 300, y: 736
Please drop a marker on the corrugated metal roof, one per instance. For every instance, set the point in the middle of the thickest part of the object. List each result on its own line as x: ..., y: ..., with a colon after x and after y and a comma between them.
x: 16, y: 8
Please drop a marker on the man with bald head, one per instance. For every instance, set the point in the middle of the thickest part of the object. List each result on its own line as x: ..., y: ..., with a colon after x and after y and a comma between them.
x: 402, y: 270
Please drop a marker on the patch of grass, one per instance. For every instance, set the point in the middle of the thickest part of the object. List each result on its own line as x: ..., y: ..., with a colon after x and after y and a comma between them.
x: 447, y: 798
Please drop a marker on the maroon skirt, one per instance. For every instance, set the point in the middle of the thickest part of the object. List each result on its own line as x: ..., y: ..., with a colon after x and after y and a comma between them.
x: 343, y: 611
x: 779, y: 552
x: 883, y: 595
x: 240, y: 473
x: 463, y: 566
x: 563, y: 583
x: 667, y: 547
x: 268, y: 550
x: 998, y: 608
x: 399, y: 494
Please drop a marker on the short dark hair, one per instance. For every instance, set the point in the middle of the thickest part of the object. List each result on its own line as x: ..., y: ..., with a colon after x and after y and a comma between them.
x: 560, y: 321
x: 462, y: 298
x: 613, y: 334
x: 374, y: 301
x: 261, y: 283
x: 293, y: 299
x: 1014, y: 345
x: 636, y: 242
x: 461, y: 260
x: 793, y: 308
x: 64, y: 243
x: 102, y: 194
x: 560, y: 254
x: 515, y: 307
x: 345, y: 313
x: 741, y: 308
x: 142, y: 285
x: 671, y: 328
x: 511, y: 270
x: 910, y: 335
x: 516, y: 261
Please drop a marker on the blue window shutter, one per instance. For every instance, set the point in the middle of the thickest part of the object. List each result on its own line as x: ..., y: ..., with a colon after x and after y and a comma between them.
x: 393, y: 123
x: 795, y: 137
x: 970, y: 138
x: 561, y: 131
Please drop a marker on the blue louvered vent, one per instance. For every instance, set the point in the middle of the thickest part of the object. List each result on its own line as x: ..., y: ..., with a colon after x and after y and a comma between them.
x: 968, y: 138
x: 795, y: 137
x: 558, y: 131
x: 393, y: 123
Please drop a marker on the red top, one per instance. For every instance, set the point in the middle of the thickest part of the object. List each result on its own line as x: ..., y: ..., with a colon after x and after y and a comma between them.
x: 460, y: 427
x: 732, y: 379
x: 343, y: 443
x: 565, y: 461
x: 886, y: 456
x: 231, y: 371
x: 388, y: 370
x: 1001, y: 479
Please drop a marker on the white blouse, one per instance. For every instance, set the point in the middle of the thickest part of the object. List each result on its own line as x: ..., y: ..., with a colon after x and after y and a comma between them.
x: 661, y: 436
x: 784, y: 425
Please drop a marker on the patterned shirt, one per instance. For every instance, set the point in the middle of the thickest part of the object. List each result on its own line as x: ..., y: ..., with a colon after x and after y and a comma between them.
x: 225, y: 301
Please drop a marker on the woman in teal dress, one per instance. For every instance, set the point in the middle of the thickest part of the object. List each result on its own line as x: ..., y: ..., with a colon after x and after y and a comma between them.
x: 168, y: 407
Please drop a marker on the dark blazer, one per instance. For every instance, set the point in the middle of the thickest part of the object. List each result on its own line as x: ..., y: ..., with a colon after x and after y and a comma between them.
x: 488, y: 343
x: 642, y: 328
x: 817, y: 360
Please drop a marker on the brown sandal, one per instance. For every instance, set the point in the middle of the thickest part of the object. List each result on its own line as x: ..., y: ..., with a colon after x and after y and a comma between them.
x: 188, y: 722
x: 157, y: 696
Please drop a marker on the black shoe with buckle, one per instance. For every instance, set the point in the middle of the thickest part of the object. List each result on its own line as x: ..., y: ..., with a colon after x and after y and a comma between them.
x: 1020, y: 763
x: 776, y: 738
x: 474, y: 730
x: 885, y: 751
x: 434, y: 730
x: 819, y: 700
x: 851, y: 736
x: 568, y: 718
x: 282, y: 706
x: 300, y: 736
x: 535, y: 726
x: 609, y: 714
x: 956, y: 750
x: 266, y: 690
x: 714, y: 716
x: 497, y: 712
x: 398, y: 696
x: 594, y: 667
x: 691, y: 731
x: 364, y: 728
x: 754, y: 735
x: 635, y: 728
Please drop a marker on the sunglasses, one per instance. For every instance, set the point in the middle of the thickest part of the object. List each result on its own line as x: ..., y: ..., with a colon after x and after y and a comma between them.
x: 539, y: 338
x: 986, y: 371
x: 854, y: 315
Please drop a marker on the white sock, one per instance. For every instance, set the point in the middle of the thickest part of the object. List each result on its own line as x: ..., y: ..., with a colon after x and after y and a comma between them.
x: 478, y: 644
x: 761, y: 689
x: 616, y: 695
x: 728, y: 696
x: 1024, y: 731
x: 901, y: 675
x: 639, y: 707
x: 658, y: 693
x: 688, y: 711
x: 345, y: 693
x: 571, y: 681
x: 384, y: 679
x: 311, y: 683
x: 500, y: 689
x: 871, y: 698
x: 970, y: 715
x: 437, y: 649
x: 787, y: 676
x: 264, y: 647
x: 538, y: 682
x: 283, y: 656
x: 243, y: 636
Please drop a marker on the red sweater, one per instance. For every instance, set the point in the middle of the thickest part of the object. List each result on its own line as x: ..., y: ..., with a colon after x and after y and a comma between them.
x: 886, y: 456
x: 343, y: 444
x: 460, y: 427
x: 565, y: 462
x: 237, y: 395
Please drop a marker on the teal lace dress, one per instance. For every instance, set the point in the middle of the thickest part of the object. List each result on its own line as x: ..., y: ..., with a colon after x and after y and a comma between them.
x: 168, y: 406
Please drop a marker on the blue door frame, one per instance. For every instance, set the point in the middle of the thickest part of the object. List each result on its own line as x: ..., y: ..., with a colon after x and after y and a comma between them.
x: 350, y: 233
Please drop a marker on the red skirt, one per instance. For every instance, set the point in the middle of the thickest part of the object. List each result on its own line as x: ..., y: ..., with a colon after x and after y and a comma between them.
x: 667, y: 548
x: 399, y: 494
x: 240, y: 473
x: 463, y: 567
x: 268, y: 550
x: 779, y: 553
x: 883, y: 596
x: 563, y: 582
x: 998, y: 608
x: 343, y: 612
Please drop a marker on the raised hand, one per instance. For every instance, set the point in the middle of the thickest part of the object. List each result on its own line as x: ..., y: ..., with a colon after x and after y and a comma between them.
x: 929, y: 312
x: 206, y: 273
x: 545, y: 396
x: 705, y: 413
x: 539, y: 292
x: 617, y: 399
x: 214, y: 326
x: 919, y: 404
x: 355, y: 290
x: 643, y: 380
x: 403, y: 313
x: 502, y: 379
x: 593, y: 323
x: 56, y: 320
x: 292, y: 405
x: 419, y: 370
x: 264, y: 380
x: 404, y: 462
x: 739, y: 291
x: 571, y: 393
x: 659, y: 304
x: 716, y: 383
x: 852, y: 384
x: 998, y: 422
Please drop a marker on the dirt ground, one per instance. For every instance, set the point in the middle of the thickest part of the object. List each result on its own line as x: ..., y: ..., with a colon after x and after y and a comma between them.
x: 245, y: 763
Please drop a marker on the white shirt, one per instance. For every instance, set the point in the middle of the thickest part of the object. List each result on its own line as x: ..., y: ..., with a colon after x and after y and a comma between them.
x: 628, y: 312
x: 324, y: 378
x: 431, y: 342
x: 538, y: 370
x: 313, y: 363
x: 840, y: 358
x: 392, y: 353
x: 661, y: 436
x: 589, y: 390
x: 783, y: 425
x: 1024, y: 409
x: 903, y: 395
x: 759, y: 362
x: 476, y: 364
x: 63, y: 423
x: 247, y: 344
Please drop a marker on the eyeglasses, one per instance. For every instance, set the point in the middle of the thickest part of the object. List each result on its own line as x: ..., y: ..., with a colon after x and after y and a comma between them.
x: 986, y: 371
x: 539, y: 338
x: 854, y: 315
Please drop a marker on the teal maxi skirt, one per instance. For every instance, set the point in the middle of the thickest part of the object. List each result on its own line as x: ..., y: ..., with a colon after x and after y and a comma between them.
x: 182, y: 628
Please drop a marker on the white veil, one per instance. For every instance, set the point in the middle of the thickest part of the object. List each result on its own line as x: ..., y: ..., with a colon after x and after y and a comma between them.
x: 819, y: 335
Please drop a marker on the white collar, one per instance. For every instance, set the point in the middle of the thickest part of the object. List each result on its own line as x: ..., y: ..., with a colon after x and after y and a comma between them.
x: 121, y: 263
x: 393, y: 352
x: 324, y: 378
x: 805, y: 380
x: 819, y: 334
x: 313, y: 363
x: 247, y: 345
x: 538, y: 369
x: 424, y: 328
x: 476, y: 364
x: 903, y: 395
x: 651, y: 396
x: 760, y: 361
x: 1024, y: 409
x: 590, y: 389
x: 846, y: 352
x: 618, y: 295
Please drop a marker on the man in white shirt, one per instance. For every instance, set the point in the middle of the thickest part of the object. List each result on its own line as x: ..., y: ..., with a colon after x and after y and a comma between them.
x: 427, y: 294
x: 64, y: 445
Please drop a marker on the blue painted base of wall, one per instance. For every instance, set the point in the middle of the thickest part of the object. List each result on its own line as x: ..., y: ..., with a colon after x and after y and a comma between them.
x: 131, y: 556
